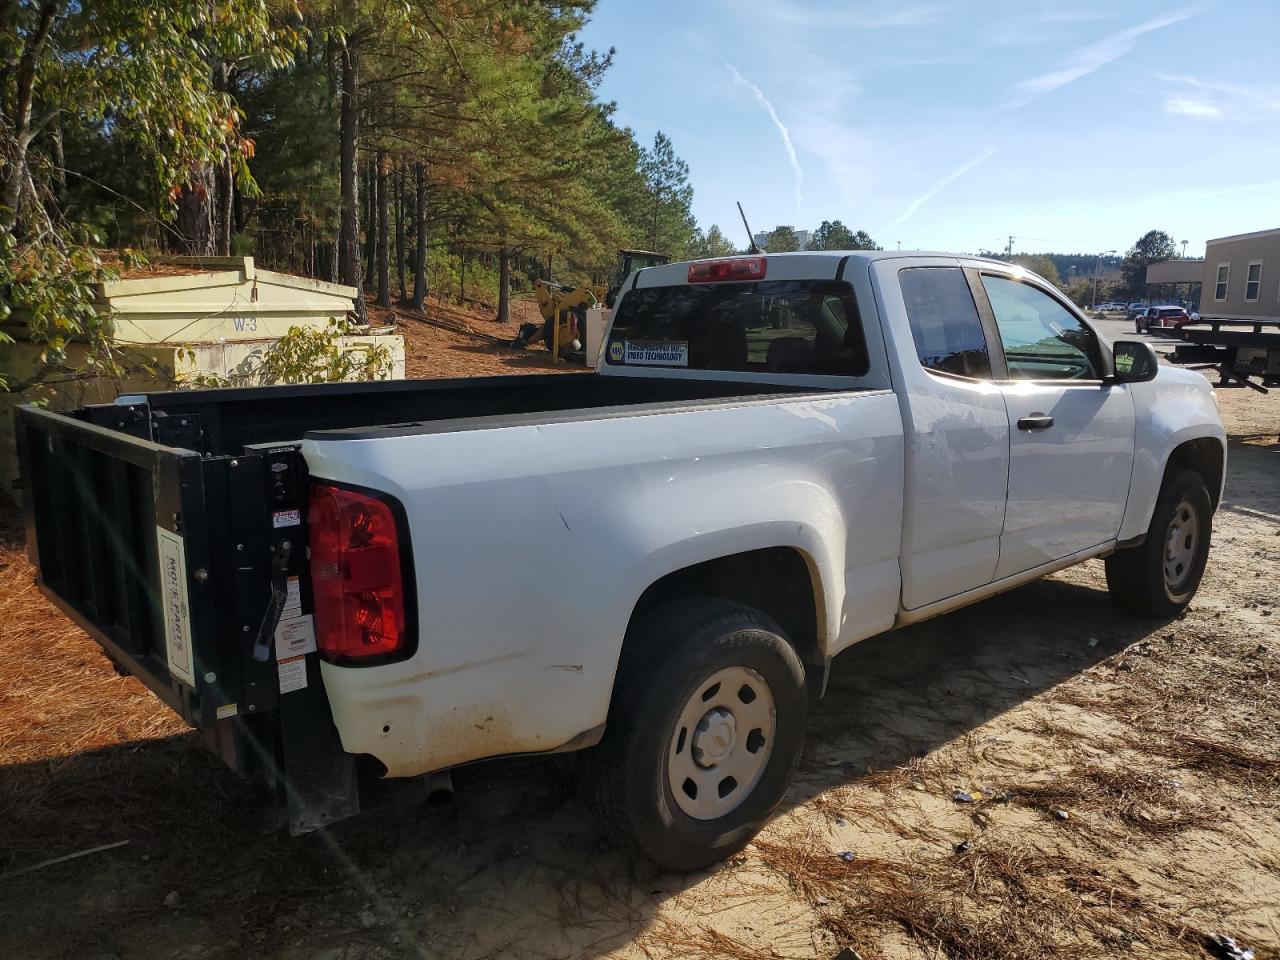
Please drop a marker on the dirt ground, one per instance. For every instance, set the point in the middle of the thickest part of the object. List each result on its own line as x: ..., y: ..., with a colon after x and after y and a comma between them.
x: 461, y: 343
x: 1122, y: 781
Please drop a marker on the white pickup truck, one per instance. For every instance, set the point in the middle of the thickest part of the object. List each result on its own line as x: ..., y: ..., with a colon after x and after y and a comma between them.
x: 777, y: 457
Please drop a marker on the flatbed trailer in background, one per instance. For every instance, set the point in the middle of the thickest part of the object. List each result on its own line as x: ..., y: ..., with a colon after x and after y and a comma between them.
x: 1245, y: 352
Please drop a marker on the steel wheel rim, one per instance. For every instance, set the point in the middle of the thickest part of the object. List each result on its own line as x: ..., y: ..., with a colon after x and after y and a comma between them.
x: 1180, y: 543
x: 721, y: 743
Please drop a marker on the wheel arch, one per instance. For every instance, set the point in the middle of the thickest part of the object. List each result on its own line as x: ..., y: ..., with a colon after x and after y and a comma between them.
x: 1207, y: 456
x: 782, y: 582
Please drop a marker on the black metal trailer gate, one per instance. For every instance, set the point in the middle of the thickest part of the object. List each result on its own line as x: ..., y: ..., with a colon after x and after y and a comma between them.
x: 170, y: 559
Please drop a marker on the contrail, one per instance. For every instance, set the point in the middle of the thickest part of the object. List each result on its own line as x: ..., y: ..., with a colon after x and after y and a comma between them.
x: 942, y: 184
x: 782, y: 130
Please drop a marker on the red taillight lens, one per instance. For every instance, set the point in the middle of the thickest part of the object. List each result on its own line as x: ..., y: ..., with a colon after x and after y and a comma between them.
x: 355, y: 575
x: 736, y: 268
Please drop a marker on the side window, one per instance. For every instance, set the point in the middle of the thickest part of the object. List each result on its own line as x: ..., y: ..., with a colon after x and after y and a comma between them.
x: 1042, y: 339
x: 944, y: 321
x: 1220, y: 287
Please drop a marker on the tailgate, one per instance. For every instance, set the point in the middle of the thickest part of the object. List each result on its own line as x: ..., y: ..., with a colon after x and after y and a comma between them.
x: 116, y: 531
x: 162, y: 555
x: 180, y: 564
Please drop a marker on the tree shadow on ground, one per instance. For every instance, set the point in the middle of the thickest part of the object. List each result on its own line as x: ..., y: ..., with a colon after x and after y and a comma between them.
x: 516, y: 864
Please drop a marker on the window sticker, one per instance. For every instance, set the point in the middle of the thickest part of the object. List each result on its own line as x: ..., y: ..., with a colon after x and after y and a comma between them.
x: 656, y: 353
x: 616, y: 350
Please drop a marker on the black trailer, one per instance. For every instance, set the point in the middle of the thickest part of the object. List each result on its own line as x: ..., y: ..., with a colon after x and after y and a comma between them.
x: 1245, y: 352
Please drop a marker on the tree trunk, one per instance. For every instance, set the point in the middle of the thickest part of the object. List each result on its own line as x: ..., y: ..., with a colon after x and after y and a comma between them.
x: 370, y: 223
x: 420, y: 238
x: 225, y: 215
x: 349, y: 130
x: 462, y: 279
x: 194, y: 222
x: 13, y: 175
x: 384, y: 265
x: 401, y: 209
x: 504, y: 285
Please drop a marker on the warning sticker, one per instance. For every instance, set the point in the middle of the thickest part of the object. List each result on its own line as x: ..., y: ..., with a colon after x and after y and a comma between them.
x: 295, y: 638
x: 293, y: 601
x: 227, y: 710
x: 286, y: 518
x: 173, y: 595
x: 293, y: 674
x: 656, y: 353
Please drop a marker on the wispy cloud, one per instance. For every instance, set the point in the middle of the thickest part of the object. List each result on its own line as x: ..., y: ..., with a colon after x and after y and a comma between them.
x: 1192, y: 107
x: 782, y: 132
x: 1167, y: 198
x: 942, y: 184
x: 1212, y: 99
x: 862, y: 17
x: 1088, y: 59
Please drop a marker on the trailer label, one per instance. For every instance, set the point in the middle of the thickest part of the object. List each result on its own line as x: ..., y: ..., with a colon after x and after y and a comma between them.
x: 293, y: 674
x: 657, y: 353
x: 286, y: 518
x: 295, y: 638
x: 173, y: 595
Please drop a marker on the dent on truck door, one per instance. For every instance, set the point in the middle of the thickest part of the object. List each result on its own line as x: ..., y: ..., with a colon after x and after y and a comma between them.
x: 1071, y: 435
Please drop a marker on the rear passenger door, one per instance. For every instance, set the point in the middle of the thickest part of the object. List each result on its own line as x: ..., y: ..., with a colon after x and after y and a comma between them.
x: 957, y: 430
x: 1071, y: 434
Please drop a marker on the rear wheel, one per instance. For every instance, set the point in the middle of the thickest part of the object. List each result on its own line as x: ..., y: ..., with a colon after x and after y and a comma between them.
x: 1159, y: 577
x: 703, y: 734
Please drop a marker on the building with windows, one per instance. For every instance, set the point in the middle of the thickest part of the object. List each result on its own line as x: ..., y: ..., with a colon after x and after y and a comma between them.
x: 1242, y: 277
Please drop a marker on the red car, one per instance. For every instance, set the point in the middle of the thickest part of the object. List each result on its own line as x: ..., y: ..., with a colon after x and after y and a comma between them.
x: 1160, y: 317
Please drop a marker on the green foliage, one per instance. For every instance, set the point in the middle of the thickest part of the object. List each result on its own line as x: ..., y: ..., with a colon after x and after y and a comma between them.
x: 232, y: 107
x: 104, y: 69
x: 1153, y: 246
x: 304, y: 355
x: 712, y: 244
x: 1043, y: 265
x: 49, y: 293
x: 834, y: 235
x: 782, y: 239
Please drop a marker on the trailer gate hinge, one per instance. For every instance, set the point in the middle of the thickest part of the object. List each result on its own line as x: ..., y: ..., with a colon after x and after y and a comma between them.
x: 275, y: 606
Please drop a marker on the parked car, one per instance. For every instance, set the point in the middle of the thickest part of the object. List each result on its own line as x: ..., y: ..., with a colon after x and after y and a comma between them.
x: 655, y: 562
x: 1111, y: 307
x: 1134, y: 308
x: 1162, y: 316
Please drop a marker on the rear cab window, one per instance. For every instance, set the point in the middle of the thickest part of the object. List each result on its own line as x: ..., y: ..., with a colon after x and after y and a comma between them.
x: 944, y: 322
x: 769, y: 326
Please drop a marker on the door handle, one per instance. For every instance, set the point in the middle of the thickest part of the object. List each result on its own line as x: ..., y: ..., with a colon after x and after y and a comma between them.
x: 1037, y: 421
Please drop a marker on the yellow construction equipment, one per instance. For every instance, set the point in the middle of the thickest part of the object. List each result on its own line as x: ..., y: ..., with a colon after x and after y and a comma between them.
x: 564, y: 308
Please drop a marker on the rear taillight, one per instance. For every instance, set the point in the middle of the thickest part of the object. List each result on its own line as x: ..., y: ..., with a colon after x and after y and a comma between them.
x: 355, y: 574
x: 735, y: 268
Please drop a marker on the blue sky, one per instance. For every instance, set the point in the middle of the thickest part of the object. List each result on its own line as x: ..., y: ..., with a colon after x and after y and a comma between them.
x: 950, y: 125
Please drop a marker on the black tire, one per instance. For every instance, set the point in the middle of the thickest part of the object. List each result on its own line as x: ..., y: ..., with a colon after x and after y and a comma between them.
x: 668, y: 656
x: 1136, y: 576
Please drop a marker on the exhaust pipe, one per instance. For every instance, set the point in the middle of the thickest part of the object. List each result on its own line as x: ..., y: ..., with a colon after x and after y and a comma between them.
x: 438, y: 788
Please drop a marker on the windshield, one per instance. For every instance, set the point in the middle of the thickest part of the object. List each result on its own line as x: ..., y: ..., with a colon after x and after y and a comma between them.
x: 778, y: 326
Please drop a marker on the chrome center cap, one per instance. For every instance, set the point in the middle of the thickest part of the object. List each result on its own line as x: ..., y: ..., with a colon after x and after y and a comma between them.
x: 714, y: 738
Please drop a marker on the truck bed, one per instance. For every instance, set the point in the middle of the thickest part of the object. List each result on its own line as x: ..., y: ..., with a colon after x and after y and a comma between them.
x: 172, y: 527
x: 224, y: 422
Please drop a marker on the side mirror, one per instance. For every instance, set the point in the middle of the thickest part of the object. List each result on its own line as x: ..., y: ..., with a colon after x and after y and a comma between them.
x: 1135, y: 361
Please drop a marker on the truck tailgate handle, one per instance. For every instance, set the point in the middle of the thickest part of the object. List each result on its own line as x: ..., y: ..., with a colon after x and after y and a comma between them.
x: 275, y: 606
x: 1037, y: 421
